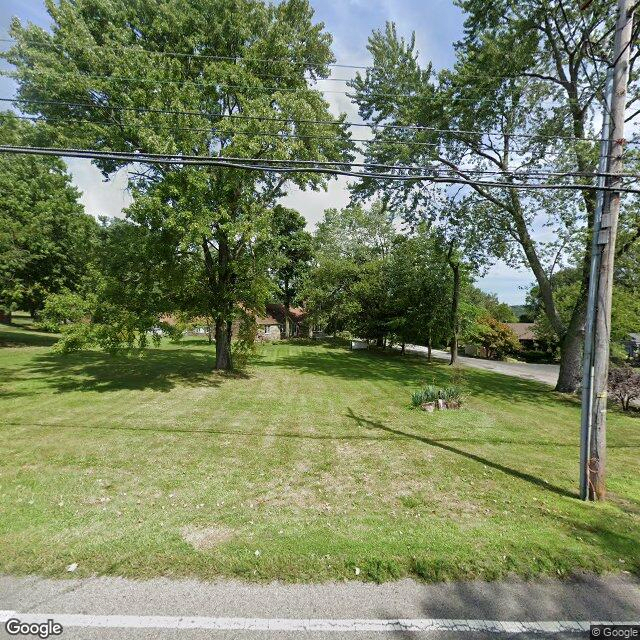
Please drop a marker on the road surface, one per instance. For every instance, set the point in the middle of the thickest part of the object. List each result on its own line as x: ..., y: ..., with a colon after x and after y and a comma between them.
x: 119, y: 609
x: 547, y: 373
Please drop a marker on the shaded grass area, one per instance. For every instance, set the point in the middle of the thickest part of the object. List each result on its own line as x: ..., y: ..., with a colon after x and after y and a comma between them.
x: 309, y: 466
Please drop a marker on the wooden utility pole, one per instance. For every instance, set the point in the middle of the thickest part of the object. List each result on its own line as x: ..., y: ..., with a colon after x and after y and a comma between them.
x: 607, y: 246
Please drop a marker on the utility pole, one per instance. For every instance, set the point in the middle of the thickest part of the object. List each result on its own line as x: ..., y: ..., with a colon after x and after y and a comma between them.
x: 586, y: 422
x: 606, y: 247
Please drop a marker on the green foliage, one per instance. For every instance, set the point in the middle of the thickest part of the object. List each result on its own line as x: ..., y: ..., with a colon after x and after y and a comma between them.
x: 451, y: 394
x: 432, y: 393
x: 244, y: 347
x: 213, y: 224
x: 46, y: 239
x: 420, y: 289
x: 489, y: 302
x: 532, y: 74
x: 65, y: 308
x: 377, y: 284
x: 355, y: 233
x: 294, y: 249
x: 625, y: 313
x: 416, y: 398
x: 496, y: 338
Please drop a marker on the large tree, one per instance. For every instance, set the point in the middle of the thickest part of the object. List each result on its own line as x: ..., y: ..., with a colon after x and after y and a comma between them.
x: 524, y: 96
x: 206, y: 77
x: 46, y: 239
x: 382, y: 285
x: 294, y: 248
x: 343, y: 288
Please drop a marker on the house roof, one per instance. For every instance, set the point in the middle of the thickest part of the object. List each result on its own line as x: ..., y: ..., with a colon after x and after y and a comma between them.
x: 277, y: 311
x: 267, y: 320
x: 524, y: 330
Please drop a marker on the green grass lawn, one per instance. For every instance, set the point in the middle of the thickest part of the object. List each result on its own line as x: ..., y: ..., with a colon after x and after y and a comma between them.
x: 309, y: 466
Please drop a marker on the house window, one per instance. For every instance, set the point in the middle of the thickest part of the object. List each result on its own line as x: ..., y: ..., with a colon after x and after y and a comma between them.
x: 266, y: 328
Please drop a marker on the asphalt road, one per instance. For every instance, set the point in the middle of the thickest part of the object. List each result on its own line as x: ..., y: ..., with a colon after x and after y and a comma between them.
x: 547, y: 373
x: 115, y: 608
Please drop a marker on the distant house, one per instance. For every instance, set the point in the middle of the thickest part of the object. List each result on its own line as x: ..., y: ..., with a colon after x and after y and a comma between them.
x: 272, y: 325
x: 524, y: 332
x: 268, y: 328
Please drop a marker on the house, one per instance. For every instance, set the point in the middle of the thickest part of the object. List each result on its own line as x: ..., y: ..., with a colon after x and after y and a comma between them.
x: 272, y: 326
x: 268, y: 328
x: 524, y: 332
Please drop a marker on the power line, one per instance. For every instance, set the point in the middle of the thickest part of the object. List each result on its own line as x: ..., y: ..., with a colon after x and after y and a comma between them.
x: 205, y: 114
x: 265, y: 134
x: 203, y: 56
x: 245, y: 88
x: 256, y: 164
x: 235, y: 59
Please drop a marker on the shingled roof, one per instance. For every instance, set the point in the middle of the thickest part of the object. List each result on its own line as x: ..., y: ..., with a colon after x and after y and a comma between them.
x: 524, y: 330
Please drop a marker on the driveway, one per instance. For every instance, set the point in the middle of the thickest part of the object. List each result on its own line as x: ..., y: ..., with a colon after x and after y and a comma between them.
x: 120, y: 609
x: 547, y: 373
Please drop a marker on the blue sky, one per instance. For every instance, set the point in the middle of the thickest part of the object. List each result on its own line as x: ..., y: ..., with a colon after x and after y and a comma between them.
x: 437, y: 24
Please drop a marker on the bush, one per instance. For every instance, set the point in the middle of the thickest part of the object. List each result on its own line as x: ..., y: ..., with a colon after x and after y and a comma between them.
x: 431, y: 393
x: 624, y: 385
x: 65, y: 308
x: 451, y: 394
x: 244, y: 346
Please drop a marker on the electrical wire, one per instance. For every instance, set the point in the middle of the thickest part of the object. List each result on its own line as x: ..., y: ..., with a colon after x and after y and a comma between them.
x: 205, y: 114
x: 276, y: 166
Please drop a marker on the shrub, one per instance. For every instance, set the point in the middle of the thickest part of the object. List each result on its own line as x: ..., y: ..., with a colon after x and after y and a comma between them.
x: 451, y: 394
x: 244, y: 346
x: 431, y: 393
x: 624, y: 385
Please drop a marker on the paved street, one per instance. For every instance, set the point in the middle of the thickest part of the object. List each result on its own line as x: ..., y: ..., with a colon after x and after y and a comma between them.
x: 106, y: 608
x: 547, y: 373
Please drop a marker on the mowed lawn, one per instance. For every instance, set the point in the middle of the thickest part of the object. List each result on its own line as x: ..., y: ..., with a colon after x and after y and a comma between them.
x: 312, y: 466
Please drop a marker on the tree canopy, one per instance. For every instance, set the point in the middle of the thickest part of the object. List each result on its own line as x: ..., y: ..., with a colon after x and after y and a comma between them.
x: 46, y: 239
x: 524, y: 96
x: 188, y: 77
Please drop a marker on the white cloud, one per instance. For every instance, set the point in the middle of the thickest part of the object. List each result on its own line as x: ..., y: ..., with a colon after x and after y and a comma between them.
x: 100, y: 197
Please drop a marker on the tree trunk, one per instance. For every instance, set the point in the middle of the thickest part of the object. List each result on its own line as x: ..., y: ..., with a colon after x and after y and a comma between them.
x: 223, y: 345
x: 455, y: 304
x: 5, y: 317
x: 402, y: 349
x: 220, y: 280
x: 571, y: 356
x: 380, y: 342
x: 429, y: 347
x: 287, y: 307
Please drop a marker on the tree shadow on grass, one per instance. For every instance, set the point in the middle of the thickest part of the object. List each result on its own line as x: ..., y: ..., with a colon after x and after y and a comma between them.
x: 521, y: 475
x: 155, y: 369
x: 408, y: 370
x: 21, y: 337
